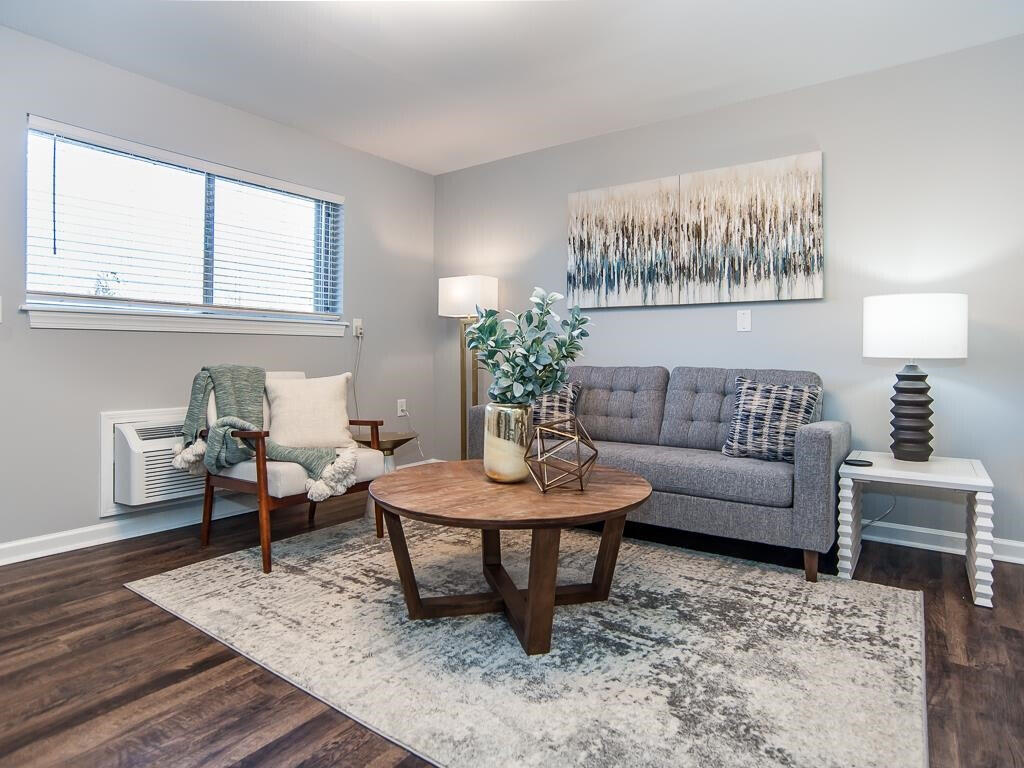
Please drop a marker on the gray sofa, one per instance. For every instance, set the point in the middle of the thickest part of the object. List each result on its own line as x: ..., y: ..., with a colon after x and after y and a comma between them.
x: 670, y: 429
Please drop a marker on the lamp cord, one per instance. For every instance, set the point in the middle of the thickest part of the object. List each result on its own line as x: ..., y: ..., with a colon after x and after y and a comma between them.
x: 880, y: 517
x: 355, y: 374
x: 412, y: 428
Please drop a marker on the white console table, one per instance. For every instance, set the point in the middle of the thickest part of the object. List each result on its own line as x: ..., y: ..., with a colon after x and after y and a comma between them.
x: 967, y: 475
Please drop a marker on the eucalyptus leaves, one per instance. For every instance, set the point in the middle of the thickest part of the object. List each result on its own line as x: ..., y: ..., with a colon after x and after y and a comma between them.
x: 527, y: 352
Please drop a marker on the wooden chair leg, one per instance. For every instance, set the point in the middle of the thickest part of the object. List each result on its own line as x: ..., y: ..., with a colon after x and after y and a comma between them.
x: 264, y: 515
x: 378, y: 514
x: 810, y: 565
x: 264, y: 501
x: 312, y: 513
x: 204, y: 531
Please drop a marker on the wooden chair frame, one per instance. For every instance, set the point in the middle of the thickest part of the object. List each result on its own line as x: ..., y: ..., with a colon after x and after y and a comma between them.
x: 268, y: 503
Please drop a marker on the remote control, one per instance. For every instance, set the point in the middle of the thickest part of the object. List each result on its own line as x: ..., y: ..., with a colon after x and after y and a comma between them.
x: 858, y: 462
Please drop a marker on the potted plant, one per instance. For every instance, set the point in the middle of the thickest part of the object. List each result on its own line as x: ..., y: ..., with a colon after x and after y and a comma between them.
x: 526, y: 354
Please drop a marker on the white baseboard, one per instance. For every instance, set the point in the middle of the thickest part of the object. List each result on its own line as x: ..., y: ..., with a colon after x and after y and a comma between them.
x: 128, y: 527
x: 1006, y: 550
x: 121, y: 528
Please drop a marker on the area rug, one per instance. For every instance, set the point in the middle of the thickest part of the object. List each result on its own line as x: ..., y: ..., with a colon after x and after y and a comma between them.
x: 696, y: 660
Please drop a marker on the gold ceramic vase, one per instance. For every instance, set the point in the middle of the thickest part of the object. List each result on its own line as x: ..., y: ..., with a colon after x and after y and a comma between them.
x: 506, y: 433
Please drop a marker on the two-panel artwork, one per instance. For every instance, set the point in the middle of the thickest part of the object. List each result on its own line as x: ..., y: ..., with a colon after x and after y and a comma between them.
x: 746, y: 233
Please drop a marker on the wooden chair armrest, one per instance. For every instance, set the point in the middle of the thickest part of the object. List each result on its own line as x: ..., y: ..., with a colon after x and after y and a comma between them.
x: 374, y: 425
x: 203, y: 433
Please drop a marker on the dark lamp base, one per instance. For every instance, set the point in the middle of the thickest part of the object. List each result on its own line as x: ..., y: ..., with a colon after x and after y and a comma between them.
x: 911, y: 415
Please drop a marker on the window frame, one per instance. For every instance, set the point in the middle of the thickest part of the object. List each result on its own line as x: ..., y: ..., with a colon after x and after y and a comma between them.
x: 60, y: 310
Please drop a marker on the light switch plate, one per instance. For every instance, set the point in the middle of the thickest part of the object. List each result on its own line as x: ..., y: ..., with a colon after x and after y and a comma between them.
x: 742, y: 319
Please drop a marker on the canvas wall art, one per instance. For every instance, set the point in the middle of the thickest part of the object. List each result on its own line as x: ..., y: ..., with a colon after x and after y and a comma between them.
x: 746, y: 233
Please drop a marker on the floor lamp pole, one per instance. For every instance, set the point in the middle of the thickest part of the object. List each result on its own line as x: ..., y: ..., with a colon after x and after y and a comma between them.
x: 464, y: 323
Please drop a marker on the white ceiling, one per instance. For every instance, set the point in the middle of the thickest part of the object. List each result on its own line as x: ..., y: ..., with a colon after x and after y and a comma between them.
x: 444, y: 85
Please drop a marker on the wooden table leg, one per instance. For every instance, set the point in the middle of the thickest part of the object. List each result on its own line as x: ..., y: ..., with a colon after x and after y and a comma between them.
x: 378, y: 519
x: 530, y: 611
x: 540, y: 591
x: 607, y: 554
x: 404, y: 564
x: 491, y: 541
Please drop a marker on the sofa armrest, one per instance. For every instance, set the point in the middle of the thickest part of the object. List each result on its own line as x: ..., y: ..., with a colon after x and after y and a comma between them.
x: 820, y: 448
x: 475, y: 432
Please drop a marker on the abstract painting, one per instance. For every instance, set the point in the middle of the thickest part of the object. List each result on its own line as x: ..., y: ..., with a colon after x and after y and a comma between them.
x: 746, y: 233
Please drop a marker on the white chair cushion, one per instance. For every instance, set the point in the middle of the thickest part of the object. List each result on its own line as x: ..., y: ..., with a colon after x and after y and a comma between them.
x: 285, y: 478
x: 211, y: 405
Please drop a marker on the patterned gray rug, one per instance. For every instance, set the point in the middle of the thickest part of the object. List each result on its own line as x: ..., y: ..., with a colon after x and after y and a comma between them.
x: 695, y: 660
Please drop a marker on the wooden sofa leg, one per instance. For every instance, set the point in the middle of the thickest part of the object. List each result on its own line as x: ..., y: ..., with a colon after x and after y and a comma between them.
x: 312, y: 513
x: 810, y: 565
x: 204, y: 530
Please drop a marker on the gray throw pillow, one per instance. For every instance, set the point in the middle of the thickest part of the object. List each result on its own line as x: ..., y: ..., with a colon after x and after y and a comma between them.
x: 766, y: 418
x: 557, y: 405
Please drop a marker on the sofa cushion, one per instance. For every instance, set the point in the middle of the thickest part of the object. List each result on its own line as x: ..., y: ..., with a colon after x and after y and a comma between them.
x: 624, y: 404
x: 699, y: 403
x: 707, y: 474
x: 285, y: 478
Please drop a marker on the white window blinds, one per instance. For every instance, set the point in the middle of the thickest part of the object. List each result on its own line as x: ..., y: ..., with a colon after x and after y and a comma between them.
x: 118, y: 227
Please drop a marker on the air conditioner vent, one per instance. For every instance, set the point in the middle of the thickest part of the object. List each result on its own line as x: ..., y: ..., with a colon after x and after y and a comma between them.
x: 143, y: 473
x: 158, y: 432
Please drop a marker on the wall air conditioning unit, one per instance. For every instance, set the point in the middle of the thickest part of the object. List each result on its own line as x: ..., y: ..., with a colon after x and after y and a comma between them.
x: 143, y: 473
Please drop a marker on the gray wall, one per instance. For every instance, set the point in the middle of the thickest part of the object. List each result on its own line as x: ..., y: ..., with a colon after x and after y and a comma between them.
x: 55, y: 383
x: 923, y: 192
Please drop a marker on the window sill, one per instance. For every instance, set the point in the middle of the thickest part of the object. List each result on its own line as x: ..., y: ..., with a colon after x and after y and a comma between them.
x: 55, y: 316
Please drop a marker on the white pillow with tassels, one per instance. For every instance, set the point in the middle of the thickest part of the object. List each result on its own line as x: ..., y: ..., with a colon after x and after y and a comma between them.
x: 310, y: 413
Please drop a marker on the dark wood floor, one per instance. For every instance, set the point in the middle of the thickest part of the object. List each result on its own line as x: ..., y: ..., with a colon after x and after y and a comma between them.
x: 93, y: 675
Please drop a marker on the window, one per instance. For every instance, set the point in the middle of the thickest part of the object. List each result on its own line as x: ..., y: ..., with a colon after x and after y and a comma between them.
x: 112, y: 228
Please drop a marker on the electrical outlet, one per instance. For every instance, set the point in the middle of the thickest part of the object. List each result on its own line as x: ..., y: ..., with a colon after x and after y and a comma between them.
x: 402, y: 409
x: 742, y: 319
x: 357, y: 327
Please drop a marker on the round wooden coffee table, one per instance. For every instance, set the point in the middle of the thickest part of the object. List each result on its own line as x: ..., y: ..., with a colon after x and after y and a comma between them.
x: 457, y: 493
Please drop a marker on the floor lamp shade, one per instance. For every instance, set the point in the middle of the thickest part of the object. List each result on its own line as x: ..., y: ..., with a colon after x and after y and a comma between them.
x: 914, y: 326
x: 459, y: 297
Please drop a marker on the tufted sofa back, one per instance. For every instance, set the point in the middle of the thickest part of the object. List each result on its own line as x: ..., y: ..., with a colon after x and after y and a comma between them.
x: 622, y: 404
x: 699, y: 402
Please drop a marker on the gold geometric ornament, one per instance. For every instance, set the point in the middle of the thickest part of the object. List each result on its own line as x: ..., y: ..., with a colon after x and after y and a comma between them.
x: 560, y: 453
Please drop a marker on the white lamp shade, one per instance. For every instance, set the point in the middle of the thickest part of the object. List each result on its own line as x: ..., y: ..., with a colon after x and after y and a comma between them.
x: 916, y: 326
x: 460, y: 296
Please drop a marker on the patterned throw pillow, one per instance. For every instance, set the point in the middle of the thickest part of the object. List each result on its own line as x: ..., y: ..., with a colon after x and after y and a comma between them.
x: 557, y: 405
x: 766, y: 418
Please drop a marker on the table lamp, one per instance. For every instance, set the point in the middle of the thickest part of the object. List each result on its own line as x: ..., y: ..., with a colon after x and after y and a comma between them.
x: 914, y: 326
x: 459, y: 297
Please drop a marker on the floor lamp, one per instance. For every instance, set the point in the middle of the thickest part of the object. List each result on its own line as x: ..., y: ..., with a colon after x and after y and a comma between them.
x: 459, y: 297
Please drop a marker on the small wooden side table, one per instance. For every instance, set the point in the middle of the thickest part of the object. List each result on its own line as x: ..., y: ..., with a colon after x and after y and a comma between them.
x: 389, y: 443
x: 967, y: 475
